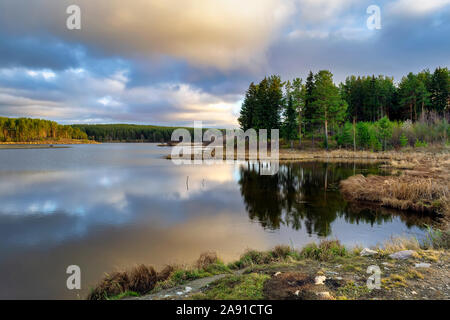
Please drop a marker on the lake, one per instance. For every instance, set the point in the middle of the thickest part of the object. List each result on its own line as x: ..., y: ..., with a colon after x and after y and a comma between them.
x: 112, y: 206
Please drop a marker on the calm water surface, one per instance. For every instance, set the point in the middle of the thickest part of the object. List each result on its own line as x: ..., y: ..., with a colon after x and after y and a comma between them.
x: 111, y: 206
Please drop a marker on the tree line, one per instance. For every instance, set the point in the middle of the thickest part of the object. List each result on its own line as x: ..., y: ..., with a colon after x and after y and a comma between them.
x: 29, y: 130
x: 317, y: 108
x: 127, y: 132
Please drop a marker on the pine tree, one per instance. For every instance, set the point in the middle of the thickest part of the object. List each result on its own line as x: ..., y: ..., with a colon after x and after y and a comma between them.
x: 247, y: 114
x: 290, y: 121
x: 309, y: 112
x: 298, y: 103
x: 440, y: 90
x: 329, y: 106
x: 275, y: 103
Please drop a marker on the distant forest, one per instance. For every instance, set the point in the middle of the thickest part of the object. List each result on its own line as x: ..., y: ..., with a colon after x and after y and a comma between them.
x: 30, y: 130
x: 127, y: 132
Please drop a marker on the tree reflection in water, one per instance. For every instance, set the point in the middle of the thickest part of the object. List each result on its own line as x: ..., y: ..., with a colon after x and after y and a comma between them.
x: 307, y: 194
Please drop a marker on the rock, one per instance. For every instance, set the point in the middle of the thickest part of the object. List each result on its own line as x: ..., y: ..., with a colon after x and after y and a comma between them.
x: 402, y: 255
x: 188, y: 289
x: 277, y: 274
x: 367, y: 252
x: 324, y: 294
x: 179, y: 293
x: 297, y: 292
x: 320, y: 280
x: 422, y: 265
x: 413, y: 292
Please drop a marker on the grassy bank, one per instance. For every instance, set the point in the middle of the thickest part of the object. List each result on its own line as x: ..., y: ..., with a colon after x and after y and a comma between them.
x: 420, y: 183
x: 288, y: 273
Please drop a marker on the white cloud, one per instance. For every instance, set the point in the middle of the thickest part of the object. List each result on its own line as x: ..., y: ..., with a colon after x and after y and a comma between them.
x: 416, y: 7
x: 316, y: 11
x: 46, y: 74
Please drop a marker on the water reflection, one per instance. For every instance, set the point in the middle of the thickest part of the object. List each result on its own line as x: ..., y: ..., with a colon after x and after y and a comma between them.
x: 306, y: 194
x: 111, y: 206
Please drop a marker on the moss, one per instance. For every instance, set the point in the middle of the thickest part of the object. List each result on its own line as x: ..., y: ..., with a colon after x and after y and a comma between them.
x: 413, y: 274
x: 236, y: 287
x: 351, y: 291
x: 352, y: 268
x: 180, y: 276
x: 123, y: 295
x: 394, y: 281
x: 429, y: 255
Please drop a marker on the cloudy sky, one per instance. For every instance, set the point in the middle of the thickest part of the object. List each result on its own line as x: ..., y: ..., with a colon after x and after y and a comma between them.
x: 172, y: 62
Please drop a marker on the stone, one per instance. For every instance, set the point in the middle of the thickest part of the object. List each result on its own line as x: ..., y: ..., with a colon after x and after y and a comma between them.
x: 367, y: 252
x: 320, y: 280
x: 324, y: 294
x: 331, y: 272
x: 188, y: 289
x: 422, y: 265
x: 402, y: 255
x: 277, y: 274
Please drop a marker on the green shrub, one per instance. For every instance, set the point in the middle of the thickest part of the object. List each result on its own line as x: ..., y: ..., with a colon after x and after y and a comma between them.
x: 437, y: 239
x: 345, y: 137
x: 326, y: 250
x: 420, y: 144
x: 403, y: 140
x: 363, y: 135
x: 384, y: 131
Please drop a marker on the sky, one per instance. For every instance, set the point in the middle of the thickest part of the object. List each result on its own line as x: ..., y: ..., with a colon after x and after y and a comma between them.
x: 173, y: 62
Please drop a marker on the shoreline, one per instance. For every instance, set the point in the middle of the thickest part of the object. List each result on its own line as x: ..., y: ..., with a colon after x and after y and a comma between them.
x: 48, y: 144
x: 324, y: 271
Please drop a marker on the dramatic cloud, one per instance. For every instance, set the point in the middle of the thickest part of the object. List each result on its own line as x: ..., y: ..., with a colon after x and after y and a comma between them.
x: 222, y: 34
x: 173, y: 62
x: 76, y: 95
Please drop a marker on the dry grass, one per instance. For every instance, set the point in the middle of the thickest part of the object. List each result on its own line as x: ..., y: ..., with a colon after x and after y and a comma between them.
x: 400, y: 244
x: 423, y: 185
x: 141, y: 279
x: 206, y: 259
